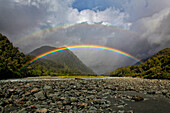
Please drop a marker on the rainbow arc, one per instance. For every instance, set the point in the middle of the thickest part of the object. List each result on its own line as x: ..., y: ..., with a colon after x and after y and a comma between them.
x: 79, y: 47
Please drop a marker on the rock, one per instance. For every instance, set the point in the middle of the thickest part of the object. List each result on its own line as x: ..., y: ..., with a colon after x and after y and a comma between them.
x: 66, y: 102
x: 151, y: 92
x: 1, y: 109
x: 68, y: 107
x: 23, y: 110
x: 92, y: 109
x: 40, y: 95
x: 59, y: 103
x: 137, y: 98
x: 121, y: 111
x: 79, y: 78
x: 42, y: 110
x: 73, y: 99
x: 130, y: 111
x: 28, y: 103
x: 84, y: 105
x: 158, y: 92
x: 164, y: 92
x: 12, y: 91
x: 35, y: 90
x: 47, y: 87
x: 27, y: 94
x: 120, y: 106
x: 2, y: 95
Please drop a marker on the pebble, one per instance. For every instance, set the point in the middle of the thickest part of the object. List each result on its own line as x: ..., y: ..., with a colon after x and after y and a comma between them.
x: 77, y: 95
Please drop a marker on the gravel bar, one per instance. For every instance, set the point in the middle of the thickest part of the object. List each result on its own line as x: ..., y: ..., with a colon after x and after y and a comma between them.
x: 114, y: 95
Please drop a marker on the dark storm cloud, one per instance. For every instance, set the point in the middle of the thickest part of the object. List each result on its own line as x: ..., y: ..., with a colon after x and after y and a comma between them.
x: 17, y: 19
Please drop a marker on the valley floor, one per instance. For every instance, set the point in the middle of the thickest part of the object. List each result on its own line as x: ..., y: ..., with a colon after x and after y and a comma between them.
x: 117, y: 95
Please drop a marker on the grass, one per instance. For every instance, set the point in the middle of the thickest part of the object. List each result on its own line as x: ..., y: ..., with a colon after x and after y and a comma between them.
x: 72, y: 76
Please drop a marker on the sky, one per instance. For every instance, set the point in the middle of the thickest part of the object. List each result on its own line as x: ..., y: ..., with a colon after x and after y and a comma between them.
x: 138, y: 27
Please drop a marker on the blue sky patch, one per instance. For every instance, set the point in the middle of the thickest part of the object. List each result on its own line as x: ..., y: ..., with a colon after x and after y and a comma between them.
x: 96, y: 4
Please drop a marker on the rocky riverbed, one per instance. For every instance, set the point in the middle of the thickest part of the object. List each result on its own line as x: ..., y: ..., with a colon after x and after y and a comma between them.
x: 120, y: 95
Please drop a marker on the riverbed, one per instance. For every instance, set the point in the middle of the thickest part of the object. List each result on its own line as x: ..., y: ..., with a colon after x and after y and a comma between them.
x: 116, y: 95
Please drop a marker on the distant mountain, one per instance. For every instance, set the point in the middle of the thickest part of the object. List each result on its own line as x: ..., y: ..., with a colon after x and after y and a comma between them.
x: 65, y: 58
x: 157, y: 66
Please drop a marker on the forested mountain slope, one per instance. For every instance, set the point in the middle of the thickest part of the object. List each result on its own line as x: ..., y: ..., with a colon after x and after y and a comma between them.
x: 158, y: 66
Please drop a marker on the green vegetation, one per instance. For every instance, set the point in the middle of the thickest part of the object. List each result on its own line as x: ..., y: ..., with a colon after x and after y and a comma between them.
x: 10, y: 59
x: 155, y: 67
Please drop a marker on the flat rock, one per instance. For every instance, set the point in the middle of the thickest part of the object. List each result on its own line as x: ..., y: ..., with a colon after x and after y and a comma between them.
x: 42, y: 110
x: 35, y: 90
x: 39, y: 95
x: 137, y: 98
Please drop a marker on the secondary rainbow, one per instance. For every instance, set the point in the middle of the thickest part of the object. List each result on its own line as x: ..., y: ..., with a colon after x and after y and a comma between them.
x: 63, y: 26
x: 79, y: 47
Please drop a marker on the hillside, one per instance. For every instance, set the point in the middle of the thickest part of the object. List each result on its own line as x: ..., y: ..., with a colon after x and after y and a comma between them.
x: 65, y: 58
x: 157, y: 66
x: 10, y: 59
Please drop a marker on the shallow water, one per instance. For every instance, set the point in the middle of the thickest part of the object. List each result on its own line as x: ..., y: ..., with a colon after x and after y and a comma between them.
x: 40, y: 79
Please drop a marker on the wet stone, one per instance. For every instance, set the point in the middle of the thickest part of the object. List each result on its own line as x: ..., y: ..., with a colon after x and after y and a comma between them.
x: 42, y: 110
x: 40, y: 95
x: 46, y: 87
x: 35, y: 90
x: 137, y: 98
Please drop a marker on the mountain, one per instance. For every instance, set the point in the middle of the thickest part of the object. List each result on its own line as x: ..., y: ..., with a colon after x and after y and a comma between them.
x: 157, y: 66
x: 65, y: 58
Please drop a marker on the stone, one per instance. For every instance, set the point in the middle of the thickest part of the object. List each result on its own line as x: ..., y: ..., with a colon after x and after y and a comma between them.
x: 92, y: 108
x: 46, y: 87
x: 35, y: 90
x: 84, y: 105
x: 28, y: 103
x: 1, y: 109
x: 120, y: 106
x: 42, y: 110
x: 73, y: 99
x: 137, y: 98
x: 66, y: 102
x: 23, y: 110
x: 40, y: 95
x: 130, y: 111
x: 27, y: 94
x: 164, y: 92
x: 151, y: 92
x: 121, y: 111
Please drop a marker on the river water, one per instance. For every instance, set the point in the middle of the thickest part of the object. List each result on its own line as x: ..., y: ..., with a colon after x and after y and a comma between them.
x: 40, y: 79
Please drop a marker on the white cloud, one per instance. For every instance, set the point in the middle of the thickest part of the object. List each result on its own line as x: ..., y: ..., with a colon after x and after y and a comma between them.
x: 138, y: 9
x: 61, y: 12
x: 150, y: 26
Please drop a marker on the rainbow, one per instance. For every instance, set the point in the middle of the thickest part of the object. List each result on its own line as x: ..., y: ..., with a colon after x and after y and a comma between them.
x: 63, y: 26
x: 78, y: 47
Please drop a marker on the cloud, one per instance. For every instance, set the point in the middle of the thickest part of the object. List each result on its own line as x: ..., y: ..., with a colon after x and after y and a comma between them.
x: 24, y: 17
x: 146, y: 22
x: 155, y: 30
x: 138, y: 9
